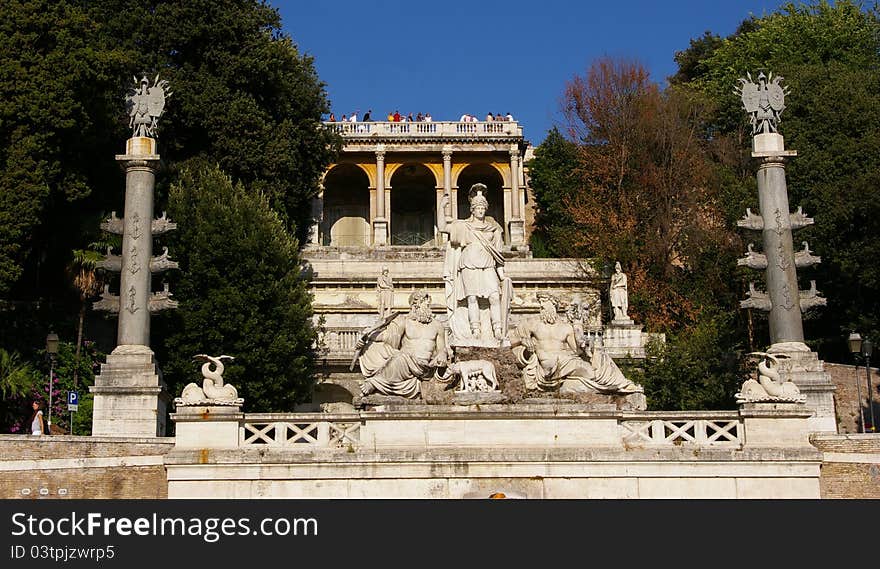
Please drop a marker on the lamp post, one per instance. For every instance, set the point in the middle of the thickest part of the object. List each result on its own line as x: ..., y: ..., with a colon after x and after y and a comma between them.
x: 51, y: 351
x: 867, y: 348
x: 855, y: 348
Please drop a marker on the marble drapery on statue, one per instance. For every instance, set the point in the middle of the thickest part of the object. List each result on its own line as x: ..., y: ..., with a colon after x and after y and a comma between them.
x: 408, y: 349
x: 477, y: 292
x: 385, y: 293
x: 548, y: 351
x: 618, y: 293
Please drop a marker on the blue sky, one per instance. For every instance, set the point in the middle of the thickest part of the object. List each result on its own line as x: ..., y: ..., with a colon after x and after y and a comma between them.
x: 452, y: 56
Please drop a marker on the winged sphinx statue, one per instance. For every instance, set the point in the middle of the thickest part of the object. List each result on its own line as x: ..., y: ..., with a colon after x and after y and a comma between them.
x: 145, y: 104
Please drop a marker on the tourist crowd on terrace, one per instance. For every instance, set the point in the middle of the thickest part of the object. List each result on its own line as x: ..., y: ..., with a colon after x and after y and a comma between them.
x: 397, y: 117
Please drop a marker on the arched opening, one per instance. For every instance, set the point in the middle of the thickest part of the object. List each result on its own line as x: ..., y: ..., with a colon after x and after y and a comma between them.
x: 484, y: 174
x: 413, y: 206
x: 346, y: 219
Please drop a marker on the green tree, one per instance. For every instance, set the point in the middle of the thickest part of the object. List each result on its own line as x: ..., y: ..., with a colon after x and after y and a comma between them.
x: 698, y: 367
x: 57, y: 88
x: 17, y: 382
x: 829, y: 56
x: 244, y: 96
x: 553, y: 181
x: 241, y: 292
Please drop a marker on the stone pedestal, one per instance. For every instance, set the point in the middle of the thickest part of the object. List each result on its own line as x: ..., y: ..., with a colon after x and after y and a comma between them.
x: 207, y: 426
x: 807, y: 371
x: 130, y: 398
x: 517, y: 233
x: 776, y: 425
x: 380, y: 232
x: 624, y: 339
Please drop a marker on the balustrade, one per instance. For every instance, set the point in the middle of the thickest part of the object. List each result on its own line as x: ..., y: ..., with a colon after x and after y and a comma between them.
x: 299, y: 434
x: 725, y: 432
x: 438, y: 128
x: 308, y: 431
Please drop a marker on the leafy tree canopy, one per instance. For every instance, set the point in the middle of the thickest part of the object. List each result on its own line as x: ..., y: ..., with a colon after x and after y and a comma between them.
x: 829, y: 56
x: 244, y: 97
x: 241, y: 293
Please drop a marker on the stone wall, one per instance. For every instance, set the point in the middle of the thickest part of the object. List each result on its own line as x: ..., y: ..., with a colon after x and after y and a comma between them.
x: 71, y: 467
x: 847, y: 394
x: 850, y: 465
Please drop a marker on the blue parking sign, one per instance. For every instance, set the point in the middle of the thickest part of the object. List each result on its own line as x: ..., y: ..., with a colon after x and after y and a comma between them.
x: 72, y: 401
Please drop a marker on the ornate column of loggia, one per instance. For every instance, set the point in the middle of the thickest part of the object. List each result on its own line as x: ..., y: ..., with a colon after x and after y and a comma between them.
x: 795, y: 362
x: 130, y: 399
x: 380, y: 222
x: 516, y: 226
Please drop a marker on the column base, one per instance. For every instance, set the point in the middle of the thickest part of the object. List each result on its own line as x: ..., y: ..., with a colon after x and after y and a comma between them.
x: 516, y: 228
x: 807, y: 371
x: 380, y: 232
x: 130, y: 399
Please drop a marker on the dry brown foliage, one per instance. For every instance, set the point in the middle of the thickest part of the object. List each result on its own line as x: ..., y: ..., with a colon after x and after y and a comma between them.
x: 647, y: 196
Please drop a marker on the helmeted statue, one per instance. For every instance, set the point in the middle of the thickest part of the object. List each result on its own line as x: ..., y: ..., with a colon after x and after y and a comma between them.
x: 403, y: 350
x: 764, y: 101
x: 477, y: 292
x: 547, y: 349
x: 145, y: 104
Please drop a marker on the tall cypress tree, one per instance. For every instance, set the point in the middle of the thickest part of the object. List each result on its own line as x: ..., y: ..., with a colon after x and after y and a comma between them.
x: 241, y: 293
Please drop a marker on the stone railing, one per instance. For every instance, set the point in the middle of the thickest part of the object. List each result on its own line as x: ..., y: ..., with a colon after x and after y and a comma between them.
x: 428, y: 129
x: 664, y: 429
x: 300, y: 431
x: 340, y: 342
x: 642, y: 429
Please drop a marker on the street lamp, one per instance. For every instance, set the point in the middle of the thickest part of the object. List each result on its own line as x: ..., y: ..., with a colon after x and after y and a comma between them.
x: 855, y: 348
x: 51, y: 351
x: 867, y: 348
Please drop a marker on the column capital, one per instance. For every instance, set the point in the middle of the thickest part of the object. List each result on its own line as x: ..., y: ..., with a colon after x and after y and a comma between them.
x: 514, y: 151
x: 380, y: 152
x: 447, y: 152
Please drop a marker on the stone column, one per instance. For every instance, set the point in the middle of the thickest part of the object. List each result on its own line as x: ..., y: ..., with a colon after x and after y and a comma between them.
x: 447, y: 189
x: 786, y: 324
x: 380, y: 223
x: 514, y: 183
x: 137, y: 249
x: 783, y: 300
x: 129, y: 397
x: 447, y: 171
x: 516, y: 227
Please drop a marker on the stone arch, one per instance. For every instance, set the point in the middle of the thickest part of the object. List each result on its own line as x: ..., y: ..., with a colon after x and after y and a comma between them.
x: 413, y: 205
x: 486, y: 174
x: 346, y: 215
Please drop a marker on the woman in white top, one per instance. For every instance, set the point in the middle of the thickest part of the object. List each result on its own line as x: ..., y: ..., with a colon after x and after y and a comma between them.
x: 37, y: 419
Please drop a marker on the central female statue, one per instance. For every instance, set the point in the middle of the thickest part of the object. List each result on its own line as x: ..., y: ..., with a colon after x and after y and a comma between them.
x: 474, y: 274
